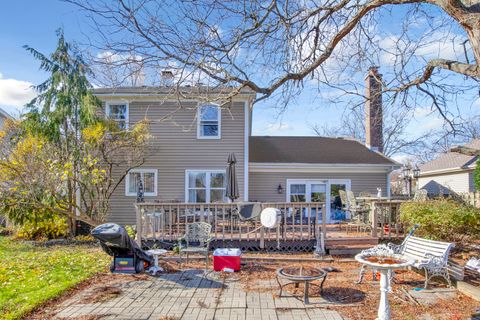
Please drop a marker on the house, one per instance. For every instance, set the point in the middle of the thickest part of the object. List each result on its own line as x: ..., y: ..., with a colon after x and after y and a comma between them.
x: 450, y: 172
x: 4, y: 116
x: 193, y: 137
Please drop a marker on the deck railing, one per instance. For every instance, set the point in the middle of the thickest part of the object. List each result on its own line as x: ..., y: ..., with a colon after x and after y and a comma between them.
x: 385, y: 219
x: 167, y: 221
x: 300, y: 222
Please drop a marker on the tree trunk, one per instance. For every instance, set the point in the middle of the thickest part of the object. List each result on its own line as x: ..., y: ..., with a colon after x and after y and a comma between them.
x: 474, y: 38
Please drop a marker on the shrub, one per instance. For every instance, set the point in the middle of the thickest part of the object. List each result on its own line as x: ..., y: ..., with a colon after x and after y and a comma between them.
x: 442, y: 219
x: 52, y: 228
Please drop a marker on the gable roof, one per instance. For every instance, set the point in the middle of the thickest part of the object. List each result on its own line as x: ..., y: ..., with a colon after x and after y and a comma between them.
x: 320, y: 150
x: 451, y: 160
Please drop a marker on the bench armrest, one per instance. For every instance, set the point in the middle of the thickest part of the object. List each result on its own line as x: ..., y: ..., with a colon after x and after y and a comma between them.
x: 434, y: 261
x: 396, y: 248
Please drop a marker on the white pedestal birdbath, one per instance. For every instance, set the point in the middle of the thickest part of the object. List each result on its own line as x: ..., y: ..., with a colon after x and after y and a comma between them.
x: 385, y: 263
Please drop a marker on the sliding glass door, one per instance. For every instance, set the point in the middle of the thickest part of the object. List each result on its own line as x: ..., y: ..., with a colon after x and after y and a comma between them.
x: 325, y: 191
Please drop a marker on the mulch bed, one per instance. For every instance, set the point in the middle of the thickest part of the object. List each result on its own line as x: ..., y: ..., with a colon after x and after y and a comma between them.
x: 351, y: 300
x: 360, y: 301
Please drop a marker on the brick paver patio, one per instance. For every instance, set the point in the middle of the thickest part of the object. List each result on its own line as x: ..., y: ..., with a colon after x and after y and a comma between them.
x: 192, y: 295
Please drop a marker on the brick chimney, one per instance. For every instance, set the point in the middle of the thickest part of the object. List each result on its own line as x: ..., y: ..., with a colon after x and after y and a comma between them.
x: 373, y: 110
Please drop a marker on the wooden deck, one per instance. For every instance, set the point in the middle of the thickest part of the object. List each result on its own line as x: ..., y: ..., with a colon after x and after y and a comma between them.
x: 303, y: 226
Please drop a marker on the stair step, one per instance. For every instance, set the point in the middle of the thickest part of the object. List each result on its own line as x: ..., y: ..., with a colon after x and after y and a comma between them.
x: 351, y: 241
x: 345, y: 252
x: 347, y: 249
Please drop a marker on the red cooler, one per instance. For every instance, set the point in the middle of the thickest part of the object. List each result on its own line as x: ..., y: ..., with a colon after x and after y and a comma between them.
x: 226, y: 258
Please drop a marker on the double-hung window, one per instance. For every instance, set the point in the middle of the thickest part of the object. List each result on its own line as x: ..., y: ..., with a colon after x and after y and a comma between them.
x: 209, y: 122
x: 148, y: 178
x: 205, y: 186
x: 118, y: 112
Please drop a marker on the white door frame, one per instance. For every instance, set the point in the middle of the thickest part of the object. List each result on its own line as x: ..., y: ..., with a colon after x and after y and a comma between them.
x: 308, y: 184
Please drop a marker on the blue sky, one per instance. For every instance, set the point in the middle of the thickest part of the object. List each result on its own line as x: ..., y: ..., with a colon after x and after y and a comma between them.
x: 33, y: 23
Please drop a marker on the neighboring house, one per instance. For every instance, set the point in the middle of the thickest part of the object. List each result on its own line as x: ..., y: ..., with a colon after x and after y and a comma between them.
x: 193, y: 138
x: 4, y: 116
x: 451, y: 172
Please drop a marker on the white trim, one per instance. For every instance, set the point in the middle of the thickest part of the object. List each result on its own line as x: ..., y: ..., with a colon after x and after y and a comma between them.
x: 116, y: 102
x: 142, y: 170
x: 446, y: 171
x: 207, y: 181
x: 389, y: 192
x: 319, y: 167
x: 246, y: 151
x: 169, y: 97
x: 219, y: 121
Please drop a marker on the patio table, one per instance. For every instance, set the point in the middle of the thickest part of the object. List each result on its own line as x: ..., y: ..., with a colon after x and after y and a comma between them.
x: 301, y: 274
x: 155, y: 253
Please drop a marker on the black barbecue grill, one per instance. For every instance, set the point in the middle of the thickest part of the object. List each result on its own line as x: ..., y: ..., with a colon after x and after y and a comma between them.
x: 128, y: 257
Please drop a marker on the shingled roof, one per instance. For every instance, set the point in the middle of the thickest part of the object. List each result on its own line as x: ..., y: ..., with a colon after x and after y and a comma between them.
x: 451, y: 160
x: 320, y: 150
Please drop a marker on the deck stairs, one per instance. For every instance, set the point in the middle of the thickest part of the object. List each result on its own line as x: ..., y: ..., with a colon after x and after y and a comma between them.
x: 339, y: 246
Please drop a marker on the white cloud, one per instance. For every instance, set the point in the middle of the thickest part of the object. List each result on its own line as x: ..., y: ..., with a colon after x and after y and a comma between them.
x: 422, y: 112
x: 15, y: 93
x: 438, y: 44
x: 476, y: 103
x: 403, y: 158
x: 278, y: 127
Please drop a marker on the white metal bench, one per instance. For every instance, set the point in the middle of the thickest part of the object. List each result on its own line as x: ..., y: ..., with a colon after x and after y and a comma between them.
x: 429, y: 255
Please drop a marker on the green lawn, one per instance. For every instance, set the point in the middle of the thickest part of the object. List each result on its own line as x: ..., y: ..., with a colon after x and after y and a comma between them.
x: 31, y: 275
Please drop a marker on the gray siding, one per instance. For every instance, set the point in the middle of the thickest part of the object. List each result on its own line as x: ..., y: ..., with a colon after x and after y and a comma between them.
x: 263, y: 185
x: 178, y: 149
x: 460, y: 182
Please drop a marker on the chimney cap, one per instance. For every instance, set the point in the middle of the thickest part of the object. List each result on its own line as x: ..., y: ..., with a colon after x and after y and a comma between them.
x: 373, y: 72
x: 167, y: 73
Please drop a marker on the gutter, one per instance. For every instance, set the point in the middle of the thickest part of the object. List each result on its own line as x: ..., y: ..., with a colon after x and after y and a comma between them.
x: 320, y: 167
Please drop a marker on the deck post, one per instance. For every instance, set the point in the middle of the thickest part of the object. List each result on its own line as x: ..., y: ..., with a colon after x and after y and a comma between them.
x: 138, y: 212
x: 262, y: 238
x: 324, y: 224
x: 321, y: 236
x: 373, y: 215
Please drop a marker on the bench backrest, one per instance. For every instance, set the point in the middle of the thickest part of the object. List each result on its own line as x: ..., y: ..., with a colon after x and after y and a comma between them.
x: 417, y: 248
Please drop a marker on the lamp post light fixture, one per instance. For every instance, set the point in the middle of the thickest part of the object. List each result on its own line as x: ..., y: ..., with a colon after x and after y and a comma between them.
x: 409, y: 175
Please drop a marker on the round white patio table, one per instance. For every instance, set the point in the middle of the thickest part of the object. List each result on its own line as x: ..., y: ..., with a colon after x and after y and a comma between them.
x: 155, y: 253
x: 385, y: 264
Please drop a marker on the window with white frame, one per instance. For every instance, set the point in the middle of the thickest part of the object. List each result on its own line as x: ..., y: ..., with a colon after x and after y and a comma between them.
x: 209, y: 122
x: 205, y: 186
x: 148, y: 178
x: 118, y: 112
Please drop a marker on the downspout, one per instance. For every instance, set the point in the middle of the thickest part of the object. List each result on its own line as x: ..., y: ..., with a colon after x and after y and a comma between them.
x: 389, y: 192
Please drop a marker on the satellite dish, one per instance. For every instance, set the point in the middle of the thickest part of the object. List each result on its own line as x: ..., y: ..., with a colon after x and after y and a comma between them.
x: 270, y: 217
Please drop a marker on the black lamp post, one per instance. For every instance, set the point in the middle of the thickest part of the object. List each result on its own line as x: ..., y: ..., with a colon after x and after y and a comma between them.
x: 409, y: 174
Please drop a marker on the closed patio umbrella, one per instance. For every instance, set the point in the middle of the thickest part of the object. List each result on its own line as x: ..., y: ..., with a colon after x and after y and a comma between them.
x: 232, y: 184
x: 140, y: 191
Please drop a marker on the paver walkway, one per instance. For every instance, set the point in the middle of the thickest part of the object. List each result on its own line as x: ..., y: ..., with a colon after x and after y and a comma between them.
x: 192, y: 296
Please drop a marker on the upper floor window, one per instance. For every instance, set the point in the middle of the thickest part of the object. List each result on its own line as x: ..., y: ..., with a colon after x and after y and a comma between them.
x: 118, y: 112
x: 209, y: 122
x: 148, y: 178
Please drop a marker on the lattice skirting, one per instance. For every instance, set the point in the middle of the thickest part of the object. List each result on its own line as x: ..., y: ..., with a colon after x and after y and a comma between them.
x: 248, y: 245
